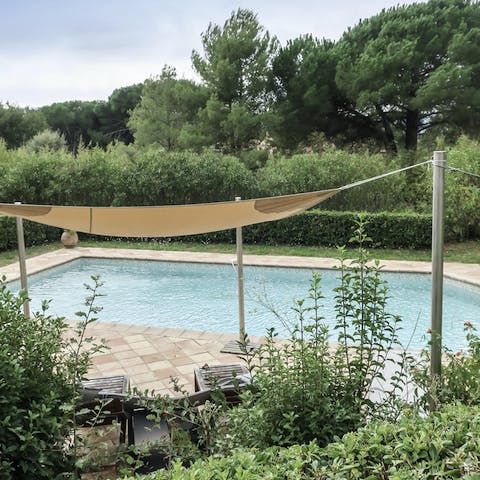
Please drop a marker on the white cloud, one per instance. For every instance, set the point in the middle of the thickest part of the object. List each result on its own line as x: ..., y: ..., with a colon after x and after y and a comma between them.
x: 54, y: 50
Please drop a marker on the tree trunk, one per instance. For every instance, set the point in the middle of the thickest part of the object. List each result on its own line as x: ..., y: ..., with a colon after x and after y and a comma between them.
x: 412, y: 124
x: 388, y: 135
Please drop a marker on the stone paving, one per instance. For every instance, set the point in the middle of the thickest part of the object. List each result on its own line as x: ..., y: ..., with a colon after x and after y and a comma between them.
x: 151, y: 355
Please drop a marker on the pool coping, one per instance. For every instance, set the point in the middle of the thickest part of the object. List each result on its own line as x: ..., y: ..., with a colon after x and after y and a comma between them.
x: 463, y: 272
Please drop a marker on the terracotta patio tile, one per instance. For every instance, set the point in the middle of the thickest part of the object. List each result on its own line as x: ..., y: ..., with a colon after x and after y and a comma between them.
x: 179, y: 361
x: 117, y: 340
x: 159, y: 365
x: 131, y: 362
x: 120, y: 348
x: 108, y: 358
x: 143, y: 377
x: 146, y: 351
x: 125, y: 354
x: 132, y: 339
x: 137, y: 370
x: 153, y: 357
x: 166, y: 373
x: 188, y: 368
x: 202, y: 358
x: 140, y: 345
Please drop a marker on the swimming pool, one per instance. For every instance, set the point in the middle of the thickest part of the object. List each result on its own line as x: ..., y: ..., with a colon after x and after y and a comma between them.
x: 204, y: 296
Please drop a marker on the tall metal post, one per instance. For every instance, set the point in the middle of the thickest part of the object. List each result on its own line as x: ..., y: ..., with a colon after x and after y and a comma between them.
x: 439, y: 164
x: 241, y: 302
x: 22, y: 262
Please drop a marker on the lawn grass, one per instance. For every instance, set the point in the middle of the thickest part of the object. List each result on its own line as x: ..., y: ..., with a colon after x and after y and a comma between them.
x: 466, y: 252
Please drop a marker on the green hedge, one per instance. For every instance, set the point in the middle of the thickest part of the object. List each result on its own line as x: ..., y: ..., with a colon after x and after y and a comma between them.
x: 333, y: 228
x: 312, y: 228
x: 444, y: 445
x: 35, y: 234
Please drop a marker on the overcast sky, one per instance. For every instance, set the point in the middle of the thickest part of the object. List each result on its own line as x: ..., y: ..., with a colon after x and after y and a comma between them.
x: 58, y: 50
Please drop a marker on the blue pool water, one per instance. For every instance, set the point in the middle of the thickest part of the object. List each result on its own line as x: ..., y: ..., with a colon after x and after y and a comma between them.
x: 204, y: 297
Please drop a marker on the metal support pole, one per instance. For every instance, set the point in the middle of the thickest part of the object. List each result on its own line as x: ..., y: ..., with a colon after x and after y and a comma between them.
x: 241, y: 303
x: 439, y: 164
x: 21, y: 259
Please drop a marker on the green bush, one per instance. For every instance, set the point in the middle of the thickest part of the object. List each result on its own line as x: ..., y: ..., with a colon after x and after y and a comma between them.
x: 462, y: 192
x: 460, y: 379
x: 444, y: 445
x: 122, y: 176
x: 35, y: 234
x: 40, y: 371
x: 33, y: 393
x: 335, y: 168
x: 332, y: 228
x: 157, y: 177
x: 304, y: 389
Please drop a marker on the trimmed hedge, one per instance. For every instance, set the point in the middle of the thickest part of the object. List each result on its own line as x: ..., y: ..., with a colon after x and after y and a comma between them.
x: 446, y: 444
x: 35, y: 234
x: 333, y: 228
x: 312, y: 228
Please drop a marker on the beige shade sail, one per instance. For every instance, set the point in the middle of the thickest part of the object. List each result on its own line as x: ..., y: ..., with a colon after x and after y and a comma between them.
x: 167, y: 221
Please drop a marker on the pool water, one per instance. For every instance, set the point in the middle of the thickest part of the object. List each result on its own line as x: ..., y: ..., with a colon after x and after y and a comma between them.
x: 204, y: 297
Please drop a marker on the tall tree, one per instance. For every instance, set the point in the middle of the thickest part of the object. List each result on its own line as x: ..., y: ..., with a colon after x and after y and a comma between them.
x: 18, y: 125
x: 413, y: 67
x: 76, y: 120
x: 113, y: 115
x: 307, y: 99
x: 166, y: 106
x: 235, y: 67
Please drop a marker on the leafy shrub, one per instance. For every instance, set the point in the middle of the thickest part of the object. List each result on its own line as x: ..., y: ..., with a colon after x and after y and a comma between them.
x: 35, y: 234
x: 124, y: 176
x: 335, y: 168
x: 40, y: 373
x: 462, y: 192
x: 460, y: 379
x: 332, y: 228
x: 33, y: 393
x: 308, y: 390
x: 444, y: 445
x: 157, y: 177
x: 46, y: 140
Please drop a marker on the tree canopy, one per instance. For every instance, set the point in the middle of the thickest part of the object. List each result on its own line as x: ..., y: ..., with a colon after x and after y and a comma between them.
x: 235, y: 67
x: 413, y: 67
x: 167, y: 105
x: 389, y: 79
x: 18, y: 125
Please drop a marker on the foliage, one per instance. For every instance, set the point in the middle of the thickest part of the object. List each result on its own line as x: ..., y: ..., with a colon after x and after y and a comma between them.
x: 113, y: 115
x: 18, y: 125
x: 413, y: 67
x: 41, y: 371
x: 307, y: 389
x: 459, y: 381
x: 157, y: 177
x: 75, y: 120
x: 33, y: 393
x: 46, y: 140
x: 443, y: 445
x: 85, y: 123
x: 166, y: 106
x: 335, y: 168
x: 235, y: 68
x: 462, y: 192
x: 307, y: 99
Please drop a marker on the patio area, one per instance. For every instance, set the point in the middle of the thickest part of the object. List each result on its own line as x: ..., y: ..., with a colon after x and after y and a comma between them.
x: 150, y: 355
